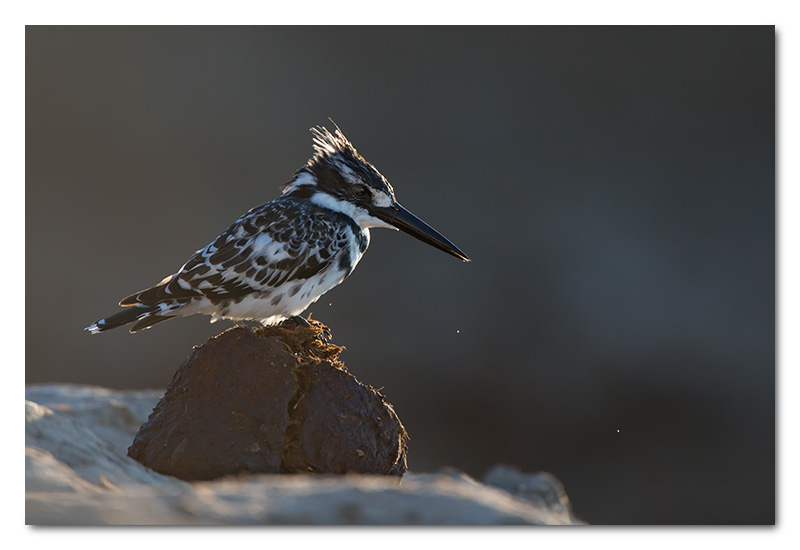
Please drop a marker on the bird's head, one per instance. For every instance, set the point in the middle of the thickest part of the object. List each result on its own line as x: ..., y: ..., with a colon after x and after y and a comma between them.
x: 340, y: 179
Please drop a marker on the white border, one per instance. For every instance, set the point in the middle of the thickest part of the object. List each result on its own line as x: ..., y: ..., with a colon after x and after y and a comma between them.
x: 780, y: 13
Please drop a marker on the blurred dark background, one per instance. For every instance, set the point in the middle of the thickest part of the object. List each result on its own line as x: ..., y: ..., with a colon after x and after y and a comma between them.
x: 614, y: 186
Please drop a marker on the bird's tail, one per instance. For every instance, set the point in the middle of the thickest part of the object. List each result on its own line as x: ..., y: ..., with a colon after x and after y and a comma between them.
x: 144, y: 315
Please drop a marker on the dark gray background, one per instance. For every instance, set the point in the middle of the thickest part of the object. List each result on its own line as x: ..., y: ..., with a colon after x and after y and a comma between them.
x: 614, y: 187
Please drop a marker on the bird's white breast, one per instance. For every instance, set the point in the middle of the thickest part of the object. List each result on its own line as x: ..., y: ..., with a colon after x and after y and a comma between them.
x: 292, y: 297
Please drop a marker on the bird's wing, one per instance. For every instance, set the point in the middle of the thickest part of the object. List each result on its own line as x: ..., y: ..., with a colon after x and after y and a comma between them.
x: 265, y: 248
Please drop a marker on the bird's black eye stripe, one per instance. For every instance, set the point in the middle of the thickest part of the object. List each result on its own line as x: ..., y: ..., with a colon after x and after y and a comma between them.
x: 360, y: 191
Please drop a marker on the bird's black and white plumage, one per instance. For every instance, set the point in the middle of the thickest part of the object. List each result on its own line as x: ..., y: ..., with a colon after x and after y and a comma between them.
x: 279, y: 258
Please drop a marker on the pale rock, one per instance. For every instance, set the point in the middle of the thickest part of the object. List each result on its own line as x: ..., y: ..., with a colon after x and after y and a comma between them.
x: 77, y: 473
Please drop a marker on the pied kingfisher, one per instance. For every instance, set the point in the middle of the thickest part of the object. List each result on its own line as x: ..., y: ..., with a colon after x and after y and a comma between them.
x: 279, y: 258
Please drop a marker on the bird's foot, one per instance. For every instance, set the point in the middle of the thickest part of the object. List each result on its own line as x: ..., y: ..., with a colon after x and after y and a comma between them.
x: 298, y: 320
x: 326, y: 335
x: 247, y: 323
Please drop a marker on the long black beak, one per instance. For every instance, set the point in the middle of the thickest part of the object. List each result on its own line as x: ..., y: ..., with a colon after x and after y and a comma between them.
x: 404, y: 220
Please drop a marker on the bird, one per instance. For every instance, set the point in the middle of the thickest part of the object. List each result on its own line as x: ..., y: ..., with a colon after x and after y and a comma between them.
x: 279, y: 258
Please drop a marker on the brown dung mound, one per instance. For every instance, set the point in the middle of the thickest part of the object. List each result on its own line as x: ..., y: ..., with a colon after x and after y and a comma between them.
x: 270, y: 400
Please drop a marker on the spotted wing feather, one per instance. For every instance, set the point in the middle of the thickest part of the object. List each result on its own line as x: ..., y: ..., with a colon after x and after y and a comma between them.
x: 272, y: 244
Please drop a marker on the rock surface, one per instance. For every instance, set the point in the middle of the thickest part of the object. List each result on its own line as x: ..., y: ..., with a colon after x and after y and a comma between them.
x: 77, y: 474
x: 270, y: 400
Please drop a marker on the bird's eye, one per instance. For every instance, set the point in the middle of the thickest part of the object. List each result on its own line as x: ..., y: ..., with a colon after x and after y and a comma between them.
x: 360, y: 191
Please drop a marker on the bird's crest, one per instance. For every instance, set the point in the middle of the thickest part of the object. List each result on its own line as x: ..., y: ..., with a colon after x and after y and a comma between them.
x: 327, y: 143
